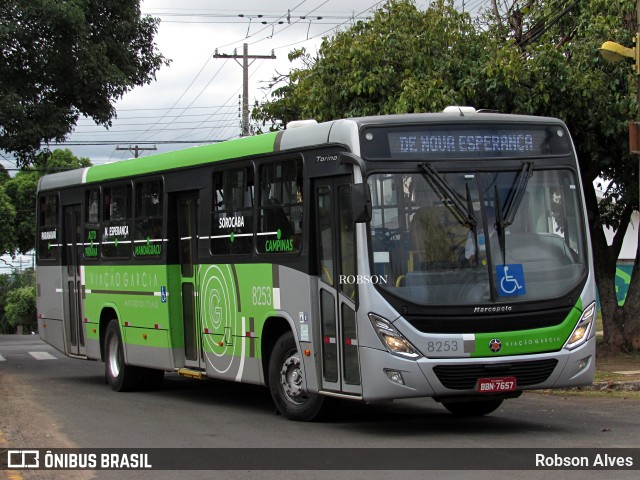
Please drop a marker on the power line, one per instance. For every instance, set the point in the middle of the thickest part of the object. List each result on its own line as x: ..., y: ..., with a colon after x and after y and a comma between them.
x: 266, y: 27
x: 142, y: 124
x: 185, y: 91
x: 544, y: 24
x: 276, y: 19
x: 163, y: 108
x: 80, y: 143
x: 91, y: 123
x: 330, y: 30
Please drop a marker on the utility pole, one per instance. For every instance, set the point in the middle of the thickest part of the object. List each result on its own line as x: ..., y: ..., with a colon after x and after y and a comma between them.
x: 245, y: 79
x: 136, y: 150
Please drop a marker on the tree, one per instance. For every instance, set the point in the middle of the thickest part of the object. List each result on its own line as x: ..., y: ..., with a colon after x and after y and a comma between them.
x: 63, y: 59
x: 7, y: 217
x: 402, y: 60
x: 550, y: 47
x: 4, y: 175
x: 9, y: 283
x: 21, y: 308
x: 529, y: 57
x: 18, y: 199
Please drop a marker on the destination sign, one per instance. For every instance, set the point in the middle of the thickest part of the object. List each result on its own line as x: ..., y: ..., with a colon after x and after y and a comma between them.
x: 409, y: 143
x: 482, y: 141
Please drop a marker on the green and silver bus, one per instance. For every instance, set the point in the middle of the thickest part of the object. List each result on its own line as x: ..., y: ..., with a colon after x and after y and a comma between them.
x: 441, y: 255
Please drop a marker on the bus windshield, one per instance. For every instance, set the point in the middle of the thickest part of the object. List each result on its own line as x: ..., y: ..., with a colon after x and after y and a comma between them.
x: 456, y: 238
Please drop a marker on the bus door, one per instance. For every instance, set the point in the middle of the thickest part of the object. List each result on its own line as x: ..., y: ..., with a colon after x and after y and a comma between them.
x: 187, y: 231
x: 337, y: 286
x: 72, y: 282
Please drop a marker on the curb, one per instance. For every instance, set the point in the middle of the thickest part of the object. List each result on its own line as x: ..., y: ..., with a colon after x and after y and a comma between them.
x: 633, y: 386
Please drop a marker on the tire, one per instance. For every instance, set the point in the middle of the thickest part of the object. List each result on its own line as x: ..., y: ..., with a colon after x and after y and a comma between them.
x: 285, y: 383
x: 475, y: 408
x: 120, y: 376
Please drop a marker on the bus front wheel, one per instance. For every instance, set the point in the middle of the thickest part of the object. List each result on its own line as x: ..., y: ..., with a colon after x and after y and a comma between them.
x: 120, y: 376
x: 286, y: 382
x: 472, y: 408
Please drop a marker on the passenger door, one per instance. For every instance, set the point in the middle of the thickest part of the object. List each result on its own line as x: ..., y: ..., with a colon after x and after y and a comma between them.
x: 187, y: 233
x: 72, y: 282
x: 337, y: 288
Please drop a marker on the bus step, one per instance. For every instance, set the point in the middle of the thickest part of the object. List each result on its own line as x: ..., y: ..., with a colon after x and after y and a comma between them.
x: 187, y: 372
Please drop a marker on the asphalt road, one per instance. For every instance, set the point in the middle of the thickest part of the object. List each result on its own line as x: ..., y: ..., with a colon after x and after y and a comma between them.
x: 50, y: 401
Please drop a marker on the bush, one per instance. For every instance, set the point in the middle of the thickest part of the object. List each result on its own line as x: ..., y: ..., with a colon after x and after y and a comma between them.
x: 21, y: 308
x: 8, y: 283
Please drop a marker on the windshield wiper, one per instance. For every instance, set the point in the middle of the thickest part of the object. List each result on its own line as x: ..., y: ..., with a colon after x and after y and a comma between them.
x: 501, y: 226
x: 464, y: 212
x: 516, y: 193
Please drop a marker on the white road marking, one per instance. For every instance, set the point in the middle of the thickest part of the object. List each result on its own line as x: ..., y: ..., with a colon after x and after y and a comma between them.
x: 42, y: 356
x: 2, y: 359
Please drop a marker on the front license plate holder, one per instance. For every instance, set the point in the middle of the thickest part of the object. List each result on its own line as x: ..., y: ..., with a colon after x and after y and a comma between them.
x: 496, y: 385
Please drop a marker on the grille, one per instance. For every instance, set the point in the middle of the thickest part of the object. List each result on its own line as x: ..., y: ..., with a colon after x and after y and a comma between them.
x: 465, y: 377
x: 489, y: 323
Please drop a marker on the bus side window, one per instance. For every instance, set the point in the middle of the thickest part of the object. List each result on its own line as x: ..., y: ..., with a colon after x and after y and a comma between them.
x: 48, y: 237
x: 232, y: 212
x: 116, y: 211
x: 148, y: 219
x: 280, y: 225
x: 91, y: 224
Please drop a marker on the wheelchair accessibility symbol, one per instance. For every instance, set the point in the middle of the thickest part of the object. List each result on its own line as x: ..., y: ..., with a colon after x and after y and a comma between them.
x: 510, y: 280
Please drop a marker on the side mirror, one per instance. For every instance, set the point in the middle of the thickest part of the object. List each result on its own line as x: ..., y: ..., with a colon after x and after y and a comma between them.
x: 361, y: 203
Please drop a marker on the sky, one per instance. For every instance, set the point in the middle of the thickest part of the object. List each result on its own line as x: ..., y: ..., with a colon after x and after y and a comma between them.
x: 196, y: 98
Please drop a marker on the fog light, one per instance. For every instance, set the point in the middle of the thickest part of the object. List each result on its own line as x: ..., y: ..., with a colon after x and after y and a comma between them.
x: 394, y: 376
x: 584, y: 363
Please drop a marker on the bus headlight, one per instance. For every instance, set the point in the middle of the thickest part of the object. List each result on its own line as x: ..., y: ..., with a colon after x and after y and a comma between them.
x: 583, y: 329
x: 392, y: 339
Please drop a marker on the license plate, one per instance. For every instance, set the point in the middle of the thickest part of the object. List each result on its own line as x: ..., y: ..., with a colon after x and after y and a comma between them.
x: 496, y: 385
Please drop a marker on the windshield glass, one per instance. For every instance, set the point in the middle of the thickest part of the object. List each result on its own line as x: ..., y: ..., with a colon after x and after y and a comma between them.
x: 486, y: 237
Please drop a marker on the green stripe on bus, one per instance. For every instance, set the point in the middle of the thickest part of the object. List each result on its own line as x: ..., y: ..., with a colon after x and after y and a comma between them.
x: 241, y: 147
x: 548, y: 339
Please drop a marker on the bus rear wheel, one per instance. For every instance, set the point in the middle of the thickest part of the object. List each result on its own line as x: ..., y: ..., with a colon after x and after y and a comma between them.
x: 286, y: 382
x: 120, y: 376
x: 473, y: 408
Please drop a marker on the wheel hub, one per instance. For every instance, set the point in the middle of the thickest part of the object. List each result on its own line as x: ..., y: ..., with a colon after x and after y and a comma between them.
x: 291, y: 379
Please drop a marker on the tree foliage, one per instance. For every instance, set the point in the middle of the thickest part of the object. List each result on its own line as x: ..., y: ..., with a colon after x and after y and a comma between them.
x: 21, y: 308
x: 7, y: 217
x: 60, y: 59
x: 9, y: 283
x: 535, y: 57
x: 403, y: 60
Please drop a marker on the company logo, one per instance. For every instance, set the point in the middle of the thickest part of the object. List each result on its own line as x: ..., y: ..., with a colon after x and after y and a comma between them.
x: 533, y: 341
x: 495, y: 345
x: 496, y: 309
x: 23, y: 459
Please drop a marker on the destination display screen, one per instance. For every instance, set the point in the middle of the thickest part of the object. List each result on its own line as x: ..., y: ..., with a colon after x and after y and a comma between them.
x: 464, y: 141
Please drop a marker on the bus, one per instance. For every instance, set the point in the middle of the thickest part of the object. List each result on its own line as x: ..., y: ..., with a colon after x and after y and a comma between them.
x: 441, y: 255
